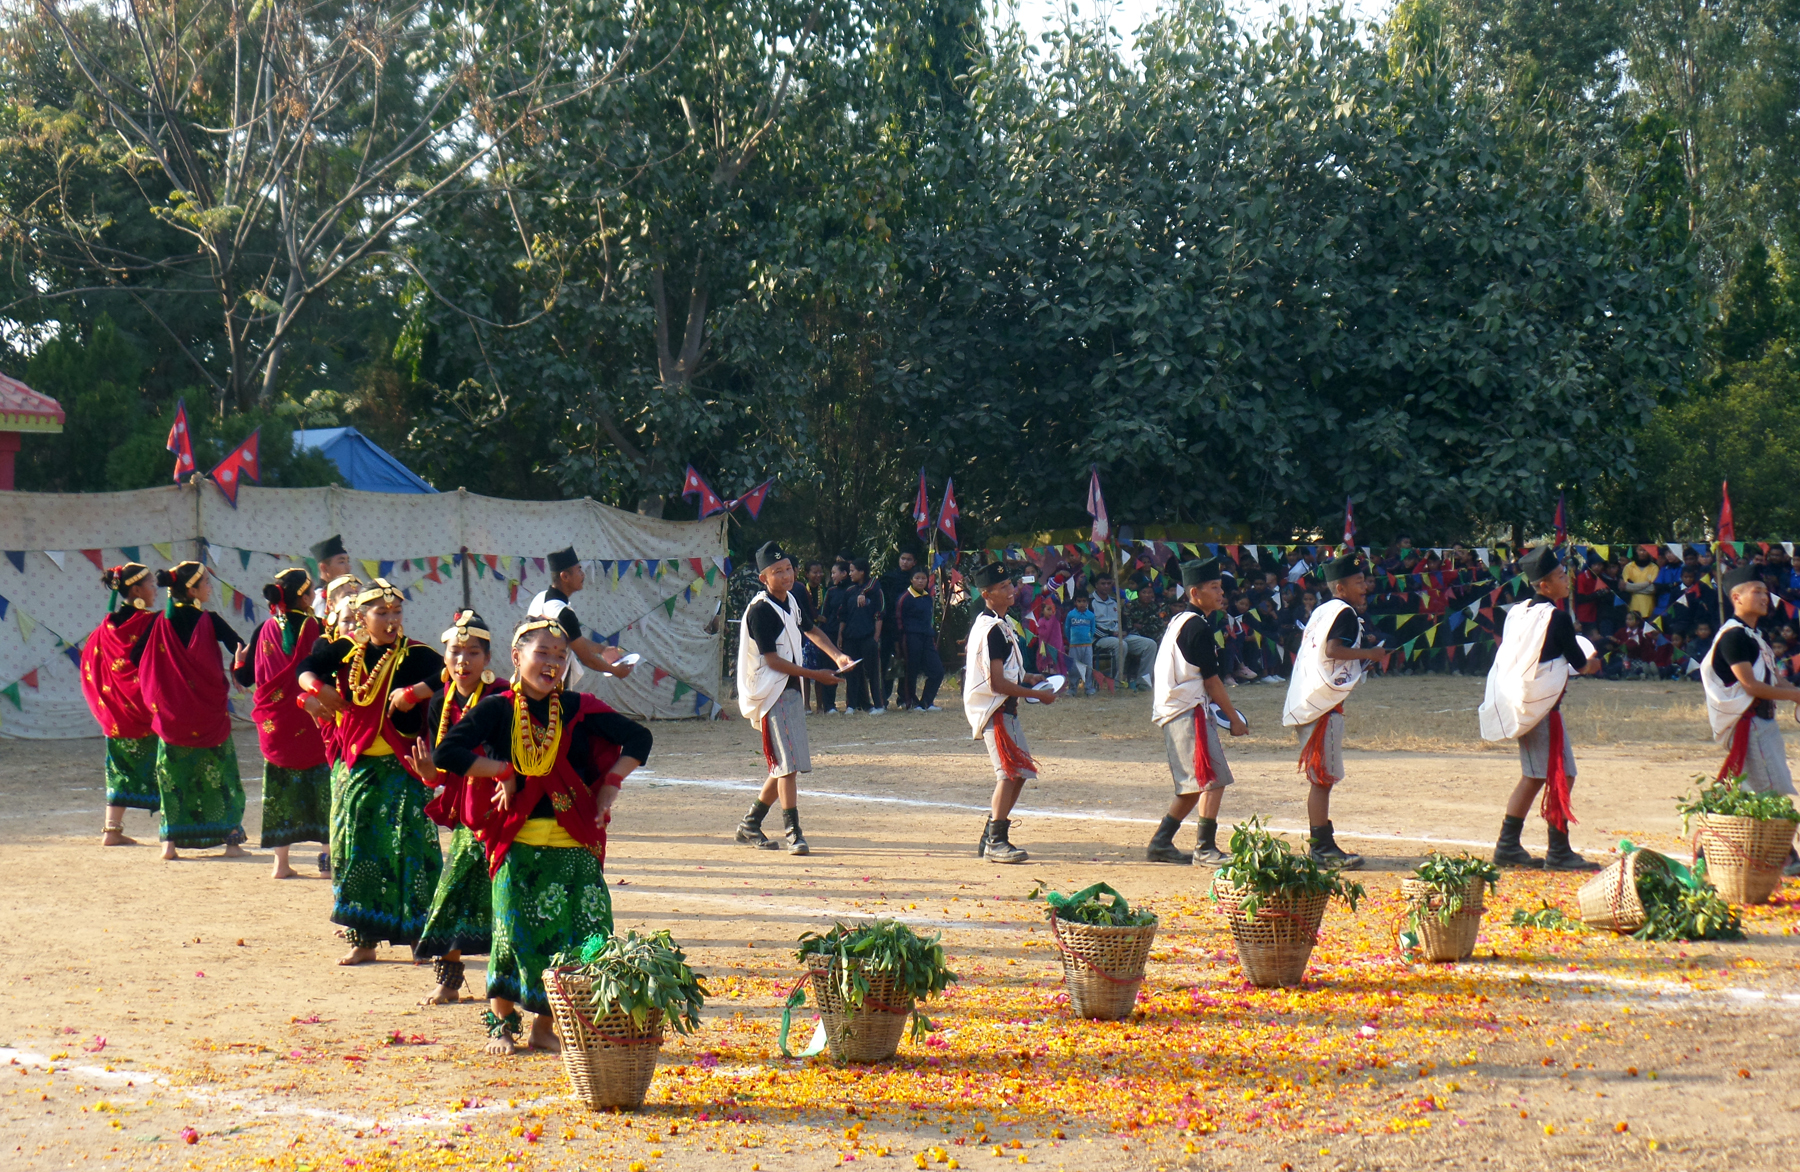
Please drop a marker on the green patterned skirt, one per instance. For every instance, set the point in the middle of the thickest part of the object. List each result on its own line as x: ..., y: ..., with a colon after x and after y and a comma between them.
x: 202, y: 796
x: 547, y: 899
x: 462, y: 912
x: 296, y: 805
x: 131, y: 773
x: 385, y: 860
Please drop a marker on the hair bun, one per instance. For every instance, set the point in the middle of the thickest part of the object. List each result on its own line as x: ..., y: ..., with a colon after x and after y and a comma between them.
x: 110, y: 578
x: 165, y: 579
x: 271, y: 593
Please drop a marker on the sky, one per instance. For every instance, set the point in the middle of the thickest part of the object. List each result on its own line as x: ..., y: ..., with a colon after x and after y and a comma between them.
x: 1126, y: 15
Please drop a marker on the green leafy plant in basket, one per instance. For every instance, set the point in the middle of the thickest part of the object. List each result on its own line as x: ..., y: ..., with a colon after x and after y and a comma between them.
x: 1450, y: 877
x: 639, y: 974
x: 1674, y: 910
x: 1728, y: 798
x: 1085, y: 907
x: 917, y: 963
x: 1264, y: 865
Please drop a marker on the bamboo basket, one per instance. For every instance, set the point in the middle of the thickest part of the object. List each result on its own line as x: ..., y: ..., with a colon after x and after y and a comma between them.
x: 1103, y: 966
x: 1744, y: 855
x: 872, y: 1031
x: 1441, y: 941
x: 1610, y: 899
x: 1275, y: 943
x: 610, y: 1062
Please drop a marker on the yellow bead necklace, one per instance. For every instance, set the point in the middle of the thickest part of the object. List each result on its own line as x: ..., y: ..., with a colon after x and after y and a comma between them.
x: 366, y: 685
x: 444, y: 716
x: 531, y: 755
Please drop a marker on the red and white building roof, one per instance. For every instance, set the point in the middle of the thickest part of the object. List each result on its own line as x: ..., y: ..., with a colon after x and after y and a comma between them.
x: 23, y: 409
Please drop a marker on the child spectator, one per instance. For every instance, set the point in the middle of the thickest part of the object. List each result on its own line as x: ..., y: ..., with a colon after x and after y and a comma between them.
x: 918, y: 632
x: 1078, y: 633
x: 1046, y: 624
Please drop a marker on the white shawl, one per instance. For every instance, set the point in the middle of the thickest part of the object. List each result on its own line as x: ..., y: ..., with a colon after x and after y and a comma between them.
x: 1320, y: 683
x: 980, y: 701
x: 1726, y: 703
x: 758, y: 684
x: 1177, y: 686
x: 1520, y: 690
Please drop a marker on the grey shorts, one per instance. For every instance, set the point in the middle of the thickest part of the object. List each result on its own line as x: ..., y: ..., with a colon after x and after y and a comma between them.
x: 1333, y: 755
x: 1534, y: 752
x: 784, y: 736
x: 1765, y: 764
x: 1018, y: 735
x: 1179, y: 735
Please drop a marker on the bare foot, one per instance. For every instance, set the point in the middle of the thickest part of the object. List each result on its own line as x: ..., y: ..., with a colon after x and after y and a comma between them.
x: 357, y: 956
x: 502, y: 1045
x: 234, y: 851
x: 117, y: 838
x: 283, y: 871
x: 543, y: 1034
x: 443, y: 995
x: 168, y: 852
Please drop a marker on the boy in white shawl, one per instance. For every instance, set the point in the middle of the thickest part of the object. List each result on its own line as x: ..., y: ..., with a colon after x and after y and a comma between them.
x: 994, y: 681
x: 1539, y: 652
x: 1327, y: 667
x: 769, y: 695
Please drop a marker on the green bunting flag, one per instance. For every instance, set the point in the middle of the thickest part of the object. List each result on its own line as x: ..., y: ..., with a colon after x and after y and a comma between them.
x: 11, y: 692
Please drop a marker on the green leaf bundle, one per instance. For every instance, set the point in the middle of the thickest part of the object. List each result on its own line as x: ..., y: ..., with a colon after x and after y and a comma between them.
x: 1552, y: 919
x: 639, y: 974
x: 1729, y: 798
x: 1085, y: 907
x: 1675, y: 911
x: 1450, y: 877
x: 881, y: 946
x: 1263, y: 864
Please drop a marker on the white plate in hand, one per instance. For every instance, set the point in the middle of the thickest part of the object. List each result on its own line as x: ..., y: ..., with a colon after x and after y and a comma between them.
x: 1052, y: 684
x: 849, y: 667
x: 1223, y: 721
x: 628, y: 660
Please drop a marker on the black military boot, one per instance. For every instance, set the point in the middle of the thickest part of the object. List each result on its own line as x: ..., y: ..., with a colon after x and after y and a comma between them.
x: 1206, y: 847
x: 1162, y: 847
x: 1508, y: 852
x: 981, y: 843
x: 1326, y: 851
x: 1562, y: 857
x: 796, y: 842
x: 995, y: 847
x: 750, y: 832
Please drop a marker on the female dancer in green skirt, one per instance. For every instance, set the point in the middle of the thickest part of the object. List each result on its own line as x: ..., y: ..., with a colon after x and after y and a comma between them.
x: 296, y: 778
x: 184, y: 686
x: 385, y: 860
x: 109, y: 681
x: 568, y: 753
x: 462, y: 912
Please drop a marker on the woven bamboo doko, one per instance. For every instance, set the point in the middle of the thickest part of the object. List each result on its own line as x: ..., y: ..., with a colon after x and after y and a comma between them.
x: 1102, y: 966
x: 872, y: 1031
x: 1744, y: 855
x: 1275, y: 943
x: 609, y: 1061
x: 1438, y: 940
x: 1610, y: 899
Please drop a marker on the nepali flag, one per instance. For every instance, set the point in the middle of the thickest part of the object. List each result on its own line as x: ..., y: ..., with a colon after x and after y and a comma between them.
x: 948, y: 512
x: 243, y: 461
x: 753, y: 500
x: 922, y: 509
x: 1562, y: 520
x: 1096, y: 506
x: 181, y: 442
x: 1727, y: 527
x: 1349, y: 526
x: 694, y: 484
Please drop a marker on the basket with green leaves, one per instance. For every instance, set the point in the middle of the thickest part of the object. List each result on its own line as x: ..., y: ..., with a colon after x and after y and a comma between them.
x: 1274, y: 899
x: 1744, y: 836
x: 1104, y: 944
x: 867, y: 981
x: 1446, y: 896
x: 611, y: 999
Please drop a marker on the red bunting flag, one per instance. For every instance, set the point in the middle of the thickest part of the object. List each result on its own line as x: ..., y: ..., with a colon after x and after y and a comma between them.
x: 93, y: 555
x: 181, y: 442
x: 235, y: 467
x: 30, y: 678
x: 432, y: 572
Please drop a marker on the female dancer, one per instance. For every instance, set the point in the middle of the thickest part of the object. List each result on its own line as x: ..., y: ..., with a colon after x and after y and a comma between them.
x: 462, y: 912
x: 546, y: 839
x: 109, y: 680
x: 296, y: 778
x: 384, y: 851
x: 185, y: 689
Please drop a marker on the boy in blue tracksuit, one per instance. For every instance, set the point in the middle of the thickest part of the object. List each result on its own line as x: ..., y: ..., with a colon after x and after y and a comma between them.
x: 1078, y: 634
x: 918, y: 631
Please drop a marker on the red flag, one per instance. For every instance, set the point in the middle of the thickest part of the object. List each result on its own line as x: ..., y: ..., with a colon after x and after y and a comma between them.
x: 1096, y: 506
x: 948, y: 512
x: 181, y: 442
x: 1727, y: 527
x: 695, y: 484
x: 753, y: 500
x: 240, y: 463
x: 93, y: 555
x: 1349, y: 525
x: 922, y: 509
x: 1562, y: 520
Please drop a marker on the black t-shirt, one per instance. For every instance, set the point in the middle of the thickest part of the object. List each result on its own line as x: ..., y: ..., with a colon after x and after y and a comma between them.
x: 184, y: 619
x: 1560, y: 638
x: 434, y: 710
x: 1345, y: 628
x: 1736, y: 645
x: 486, y: 730
x: 1197, y: 646
x: 420, y: 665
x: 766, y: 626
x: 570, y: 624
x: 999, y: 648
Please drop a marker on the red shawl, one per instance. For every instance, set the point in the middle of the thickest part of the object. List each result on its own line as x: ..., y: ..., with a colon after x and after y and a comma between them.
x: 577, y: 811
x: 465, y: 801
x: 290, y: 738
x: 184, y: 685
x: 109, y: 679
x: 358, y: 725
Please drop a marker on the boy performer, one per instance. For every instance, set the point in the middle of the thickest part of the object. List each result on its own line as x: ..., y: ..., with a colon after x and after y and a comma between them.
x: 334, y: 563
x: 769, y: 694
x: 566, y: 578
x: 1186, y: 675
x: 994, y: 681
x: 1539, y: 651
x: 1741, y: 690
x: 1327, y: 667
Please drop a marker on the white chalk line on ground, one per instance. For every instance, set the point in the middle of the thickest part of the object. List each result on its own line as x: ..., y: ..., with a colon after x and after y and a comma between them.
x: 1661, y: 989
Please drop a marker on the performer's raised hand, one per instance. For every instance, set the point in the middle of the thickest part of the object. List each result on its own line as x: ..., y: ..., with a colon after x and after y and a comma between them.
x: 423, y: 766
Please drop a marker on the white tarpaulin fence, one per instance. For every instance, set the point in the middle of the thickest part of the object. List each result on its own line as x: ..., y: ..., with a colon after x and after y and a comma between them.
x: 652, y: 585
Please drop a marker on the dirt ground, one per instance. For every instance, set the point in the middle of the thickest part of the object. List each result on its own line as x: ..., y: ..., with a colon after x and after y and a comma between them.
x: 189, y: 1014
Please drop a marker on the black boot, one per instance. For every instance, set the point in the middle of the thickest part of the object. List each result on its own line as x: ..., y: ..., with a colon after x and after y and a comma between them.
x: 981, y: 844
x: 750, y: 832
x: 1206, y: 848
x: 796, y: 842
x: 1508, y: 852
x: 995, y: 847
x: 1562, y: 857
x: 1326, y: 852
x: 1162, y: 844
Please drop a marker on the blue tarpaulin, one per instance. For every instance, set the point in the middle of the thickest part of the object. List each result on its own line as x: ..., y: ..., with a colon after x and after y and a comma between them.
x: 364, y: 465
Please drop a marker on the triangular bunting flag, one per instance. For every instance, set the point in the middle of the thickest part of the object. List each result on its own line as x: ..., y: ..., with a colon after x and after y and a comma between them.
x: 57, y: 556
x: 164, y: 550
x: 669, y: 605
x: 93, y: 555
x: 657, y: 675
x: 30, y: 679
x: 244, y: 558
x: 27, y: 625
x: 11, y: 692
x: 372, y: 568
x: 17, y: 558
x: 131, y: 553
x: 680, y: 689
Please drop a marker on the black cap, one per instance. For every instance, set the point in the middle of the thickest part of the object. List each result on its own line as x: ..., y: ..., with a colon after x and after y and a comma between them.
x: 1341, y: 567
x: 563, y: 559
x: 1740, y: 576
x: 768, y: 554
x: 1200, y: 573
x: 1539, y: 564
x: 990, y: 575
x: 331, y: 547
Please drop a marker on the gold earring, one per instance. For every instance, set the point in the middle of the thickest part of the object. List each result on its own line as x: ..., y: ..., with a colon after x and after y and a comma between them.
x: 487, y: 675
x: 445, y: 675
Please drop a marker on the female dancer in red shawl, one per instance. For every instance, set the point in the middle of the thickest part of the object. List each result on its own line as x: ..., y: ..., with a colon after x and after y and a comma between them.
x: 385, y: 860
x: 109, y: 680
x: 546, y: 837
x: 296, y: 779
x: 184, y: 687
x: 462, y: 912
